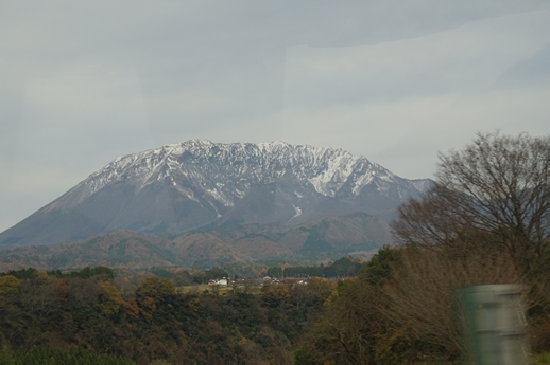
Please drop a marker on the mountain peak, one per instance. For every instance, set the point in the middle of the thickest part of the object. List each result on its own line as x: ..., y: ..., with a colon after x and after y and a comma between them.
x: 326, y: 169
x: 185, y: 185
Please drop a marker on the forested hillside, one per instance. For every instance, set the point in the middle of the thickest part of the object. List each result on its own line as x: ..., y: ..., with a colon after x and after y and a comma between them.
x: 331, y: 238
x: 89, y: 310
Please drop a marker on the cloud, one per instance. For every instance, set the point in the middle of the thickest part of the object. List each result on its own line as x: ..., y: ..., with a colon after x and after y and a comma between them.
x: 84, y: 83
x: 399, y: 102
x: 71, y: 115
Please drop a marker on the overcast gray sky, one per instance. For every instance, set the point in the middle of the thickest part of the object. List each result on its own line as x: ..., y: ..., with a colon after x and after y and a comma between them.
x: 395, y: 81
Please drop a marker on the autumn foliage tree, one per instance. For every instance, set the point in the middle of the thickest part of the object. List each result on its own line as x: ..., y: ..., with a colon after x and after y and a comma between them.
x: 8, y: 285
x: 151, y: 293
x: 110, y: 299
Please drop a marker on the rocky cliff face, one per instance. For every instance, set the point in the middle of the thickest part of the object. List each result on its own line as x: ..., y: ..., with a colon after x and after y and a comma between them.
x: 198, y: 183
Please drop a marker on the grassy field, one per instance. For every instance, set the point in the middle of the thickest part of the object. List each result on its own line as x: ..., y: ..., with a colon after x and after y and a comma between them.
x: 212, y: 288
x: 202, y: 288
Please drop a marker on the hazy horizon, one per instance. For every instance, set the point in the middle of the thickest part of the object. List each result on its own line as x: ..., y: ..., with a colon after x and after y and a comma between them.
x: 393, y: 81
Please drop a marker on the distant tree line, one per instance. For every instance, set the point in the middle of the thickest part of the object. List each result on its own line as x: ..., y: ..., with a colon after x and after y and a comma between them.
x: 87, y: 272
x: 40, y: 355
x: 346, y: 266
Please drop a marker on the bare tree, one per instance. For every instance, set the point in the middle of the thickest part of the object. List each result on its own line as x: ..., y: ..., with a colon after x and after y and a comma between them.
x: 495, y: 191
x: 421, y: 291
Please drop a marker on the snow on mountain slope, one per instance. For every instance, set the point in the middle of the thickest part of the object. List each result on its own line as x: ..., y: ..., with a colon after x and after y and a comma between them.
x: 177, y: 187
x: 213, y: 166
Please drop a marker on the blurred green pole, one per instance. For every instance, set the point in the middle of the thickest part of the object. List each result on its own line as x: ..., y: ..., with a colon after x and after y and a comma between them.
x: 495, y: 328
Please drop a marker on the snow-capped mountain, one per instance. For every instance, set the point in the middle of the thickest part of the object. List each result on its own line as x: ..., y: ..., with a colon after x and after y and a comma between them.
x: 178, y: 187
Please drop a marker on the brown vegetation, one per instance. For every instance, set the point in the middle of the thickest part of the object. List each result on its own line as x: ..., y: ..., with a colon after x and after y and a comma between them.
x: 484, y: 222
x: 421, y: 293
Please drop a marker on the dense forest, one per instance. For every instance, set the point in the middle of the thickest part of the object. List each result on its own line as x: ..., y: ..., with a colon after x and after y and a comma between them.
x: 85, y: 310
x: 392, y: 312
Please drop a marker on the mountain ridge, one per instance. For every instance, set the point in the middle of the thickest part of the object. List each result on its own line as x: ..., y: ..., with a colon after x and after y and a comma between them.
x: 177, y: 187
